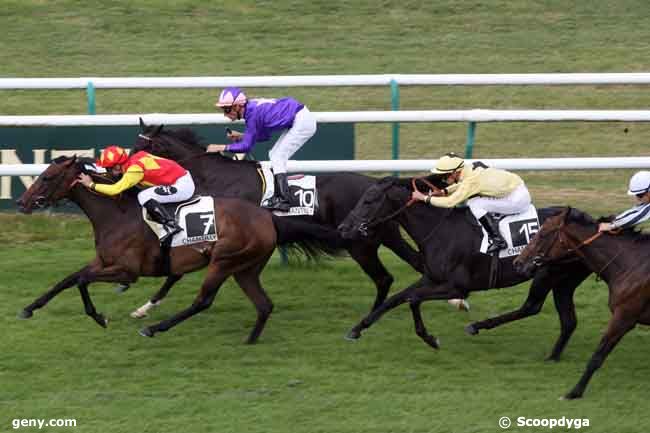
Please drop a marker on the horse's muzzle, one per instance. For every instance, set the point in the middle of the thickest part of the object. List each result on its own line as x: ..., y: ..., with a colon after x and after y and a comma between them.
x: 529, y: 268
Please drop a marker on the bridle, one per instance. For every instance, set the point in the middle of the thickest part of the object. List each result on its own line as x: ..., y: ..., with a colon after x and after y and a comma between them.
x: 573, y: 248
x: 363, y: 227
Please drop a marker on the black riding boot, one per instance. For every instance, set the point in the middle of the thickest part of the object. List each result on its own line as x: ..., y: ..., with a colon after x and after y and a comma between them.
x: 160, y: 215
x: 491, y: 226
x: 281, y: 200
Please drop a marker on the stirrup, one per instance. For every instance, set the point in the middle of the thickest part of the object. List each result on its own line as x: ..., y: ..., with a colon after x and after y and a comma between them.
x: 277, y: 203
x: 495, y: 246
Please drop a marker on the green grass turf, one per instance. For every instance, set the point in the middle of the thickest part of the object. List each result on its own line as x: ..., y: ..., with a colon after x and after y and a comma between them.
x: 303, y: 377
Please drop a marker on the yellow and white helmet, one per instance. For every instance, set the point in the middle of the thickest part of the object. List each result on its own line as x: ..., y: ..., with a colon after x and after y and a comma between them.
x: 448, y: 164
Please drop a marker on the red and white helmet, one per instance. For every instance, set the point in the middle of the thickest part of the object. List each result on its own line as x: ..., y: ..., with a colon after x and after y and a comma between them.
x: 231, y: 96
x: 111, y: 156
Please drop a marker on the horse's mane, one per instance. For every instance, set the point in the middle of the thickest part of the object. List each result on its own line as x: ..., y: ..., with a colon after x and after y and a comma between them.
x: 585, y: 219
x: 186, y: 135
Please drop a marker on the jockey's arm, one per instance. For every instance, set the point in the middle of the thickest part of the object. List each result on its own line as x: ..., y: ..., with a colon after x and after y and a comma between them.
x: 461, y: 193
x: 130, y: 178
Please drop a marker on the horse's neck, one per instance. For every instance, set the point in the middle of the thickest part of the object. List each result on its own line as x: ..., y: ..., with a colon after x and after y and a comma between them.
x: 607, y: 256
x: 421, y: 223
x: 103, y: 212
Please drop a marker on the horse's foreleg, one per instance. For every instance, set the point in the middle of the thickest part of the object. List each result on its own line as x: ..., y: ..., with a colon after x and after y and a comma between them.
x: 620, y: 323
x: 67, y: 282
x: 213, y: 281
x: 392, y: 302
x: 418, y: 295
x: 393, y: 240
x: 157, y: 298
x: 566, y: 309
x: 366, y: 256
x: 90, y: 307
x: 249, y: 281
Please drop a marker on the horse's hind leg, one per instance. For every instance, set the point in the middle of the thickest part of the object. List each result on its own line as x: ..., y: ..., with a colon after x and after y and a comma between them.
x: 534, y: 302
x: 366, y: 255
x: 67, y: 282
x: 249, y: 281
x: 621, y: 322
x: 157, y: 298
x: 213, y: 280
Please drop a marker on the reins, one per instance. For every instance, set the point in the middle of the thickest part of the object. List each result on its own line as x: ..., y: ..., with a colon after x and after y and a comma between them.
x: 589, y: 240
x: 403, y: 208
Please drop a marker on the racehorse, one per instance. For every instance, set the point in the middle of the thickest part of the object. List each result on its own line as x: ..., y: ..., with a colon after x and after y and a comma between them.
x: 450, y: 240
x: 217, y: 175
x: 127, y: 249
x: 620, y: 260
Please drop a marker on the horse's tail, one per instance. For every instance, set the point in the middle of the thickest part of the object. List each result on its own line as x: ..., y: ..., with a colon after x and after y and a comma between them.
x: 312, y: 239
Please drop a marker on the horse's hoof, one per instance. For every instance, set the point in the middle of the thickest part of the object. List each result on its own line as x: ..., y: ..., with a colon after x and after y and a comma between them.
x: 101, y: 320
x: 121, y: 288
x: 435, y: 343
x: 138, y: 315
x: 353, y: 335
x: 146, y: 332
x: 471, y: 329
x: 25, y: 314
x: 571, y: 396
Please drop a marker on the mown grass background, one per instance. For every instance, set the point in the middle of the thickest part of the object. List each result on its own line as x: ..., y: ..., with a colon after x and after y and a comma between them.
x: 303, y: 377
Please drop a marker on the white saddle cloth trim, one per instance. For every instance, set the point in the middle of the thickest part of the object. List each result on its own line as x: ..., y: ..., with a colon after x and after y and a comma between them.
x: 308, y: 201
x: 204, y: 206
x: 524, y: 225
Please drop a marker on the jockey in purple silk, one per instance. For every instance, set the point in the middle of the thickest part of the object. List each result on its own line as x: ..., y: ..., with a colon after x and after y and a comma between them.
x: 263, y: 117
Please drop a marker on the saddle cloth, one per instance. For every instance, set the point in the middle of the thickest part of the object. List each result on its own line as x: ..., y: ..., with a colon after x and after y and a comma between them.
x: 304, y: 197
x: 517, y: 230
x: 195, y: 216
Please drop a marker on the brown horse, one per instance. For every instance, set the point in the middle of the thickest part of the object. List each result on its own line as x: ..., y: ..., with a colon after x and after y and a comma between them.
x: 127, y: 249
x: 620, y: 260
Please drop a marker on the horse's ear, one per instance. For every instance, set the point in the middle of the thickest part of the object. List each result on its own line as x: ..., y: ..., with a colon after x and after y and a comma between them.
x: 567, y: 213
x: 157, y: 130
x: 142, y: 125
x: 70, y: 160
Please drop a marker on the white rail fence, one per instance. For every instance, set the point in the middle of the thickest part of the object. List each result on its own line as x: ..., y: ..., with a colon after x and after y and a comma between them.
x: 327, y: 80
x: 480, y: 115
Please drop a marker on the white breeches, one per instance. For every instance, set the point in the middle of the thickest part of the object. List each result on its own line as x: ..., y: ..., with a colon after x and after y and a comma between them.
x: 181, y: 190
x: 515, y: 202
x: 304, y: 127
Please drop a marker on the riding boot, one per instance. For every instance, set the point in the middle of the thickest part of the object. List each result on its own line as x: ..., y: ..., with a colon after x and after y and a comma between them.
x: 491, y: 226
x: 160, y: 215
x: 281, y: 200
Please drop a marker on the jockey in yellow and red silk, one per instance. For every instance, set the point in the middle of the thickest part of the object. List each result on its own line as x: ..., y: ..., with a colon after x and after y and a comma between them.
x: 165, y: 181
x: 263, y: 116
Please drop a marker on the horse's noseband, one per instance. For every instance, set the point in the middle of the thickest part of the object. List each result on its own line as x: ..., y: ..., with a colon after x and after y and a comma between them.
x: 363, y: 229
x: 145, y: 137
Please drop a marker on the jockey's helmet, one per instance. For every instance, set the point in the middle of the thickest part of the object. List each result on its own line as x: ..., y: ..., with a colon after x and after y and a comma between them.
x: 639, y: 183
x: 448, y: 164
x: 111, y: 156
x: 231, y: 96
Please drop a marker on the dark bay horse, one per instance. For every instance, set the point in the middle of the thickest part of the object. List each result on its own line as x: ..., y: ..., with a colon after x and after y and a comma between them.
x: 127, y: 249
x: 450, y: 240
x: 338, y: 193
x: 621, y: 260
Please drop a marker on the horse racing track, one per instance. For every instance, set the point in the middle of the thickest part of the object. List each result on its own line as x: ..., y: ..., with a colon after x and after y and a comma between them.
x: 302, y: 376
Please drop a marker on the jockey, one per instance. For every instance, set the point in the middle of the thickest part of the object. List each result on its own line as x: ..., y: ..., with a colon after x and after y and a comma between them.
x: 487, y: 190
x: 167, y: 182
x: 262, y: 117
x: 640, y: 188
